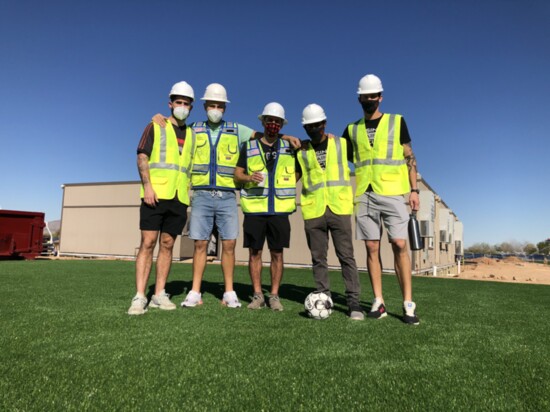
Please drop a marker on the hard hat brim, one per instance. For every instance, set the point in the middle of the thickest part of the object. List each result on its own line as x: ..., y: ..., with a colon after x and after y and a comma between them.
x: 260, y: 117
x: 215, y: 100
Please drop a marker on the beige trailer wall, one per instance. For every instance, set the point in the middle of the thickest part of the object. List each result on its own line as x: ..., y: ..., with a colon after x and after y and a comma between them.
x: 103, y: 219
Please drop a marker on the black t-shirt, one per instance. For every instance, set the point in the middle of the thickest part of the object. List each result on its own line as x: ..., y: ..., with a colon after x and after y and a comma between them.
x: 320, y: 153
x: 270, y: 153
x: 148, y: 137
x: 371, y: 126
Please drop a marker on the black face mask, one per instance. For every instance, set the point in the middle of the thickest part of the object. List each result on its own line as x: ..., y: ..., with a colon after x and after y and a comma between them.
x: 316, y: 135
x: 370, y: 106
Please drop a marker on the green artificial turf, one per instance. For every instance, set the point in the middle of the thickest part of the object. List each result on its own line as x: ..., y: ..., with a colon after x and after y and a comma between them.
x: 66, y: 343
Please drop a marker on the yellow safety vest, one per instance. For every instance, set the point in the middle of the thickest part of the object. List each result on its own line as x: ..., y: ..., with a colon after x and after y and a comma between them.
x: 169, y: 171
x: 214, y: 165
x: 278, y: 196
x: 329, y: 187
x: 382, y: 166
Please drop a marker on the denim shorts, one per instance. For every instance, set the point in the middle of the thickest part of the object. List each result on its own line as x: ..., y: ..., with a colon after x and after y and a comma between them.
x: 209, y: 207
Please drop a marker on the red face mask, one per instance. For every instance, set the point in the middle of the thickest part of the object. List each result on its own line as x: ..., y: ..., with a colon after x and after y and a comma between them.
x: 272, y: 129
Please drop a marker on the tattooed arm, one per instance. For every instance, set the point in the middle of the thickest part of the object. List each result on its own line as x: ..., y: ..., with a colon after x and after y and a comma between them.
x: 149, y: 196
x: 414, y: 200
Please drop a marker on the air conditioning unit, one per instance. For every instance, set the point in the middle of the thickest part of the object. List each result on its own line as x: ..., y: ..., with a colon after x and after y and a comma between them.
x: 426, y: 228
x: 443, y: 236
x: 458, y: 247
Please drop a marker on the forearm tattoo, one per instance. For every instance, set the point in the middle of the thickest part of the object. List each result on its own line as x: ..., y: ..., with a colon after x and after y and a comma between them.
x: 143, y: 168
x: 411, y: 162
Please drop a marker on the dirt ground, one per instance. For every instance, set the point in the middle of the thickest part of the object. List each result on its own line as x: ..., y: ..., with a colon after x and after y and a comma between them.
x: 510, y: 269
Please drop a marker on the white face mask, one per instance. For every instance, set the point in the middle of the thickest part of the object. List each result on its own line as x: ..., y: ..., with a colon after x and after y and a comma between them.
x: 180, y: 112
x: 214, y: 115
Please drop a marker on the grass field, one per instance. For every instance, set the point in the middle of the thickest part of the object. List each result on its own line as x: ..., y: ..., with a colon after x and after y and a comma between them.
x: 67, y: 344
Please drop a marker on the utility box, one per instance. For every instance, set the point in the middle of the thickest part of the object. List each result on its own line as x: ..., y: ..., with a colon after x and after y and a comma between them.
x: 21, y: 234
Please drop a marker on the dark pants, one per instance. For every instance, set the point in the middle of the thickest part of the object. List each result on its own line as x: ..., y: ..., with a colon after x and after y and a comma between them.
x: 317, y: 231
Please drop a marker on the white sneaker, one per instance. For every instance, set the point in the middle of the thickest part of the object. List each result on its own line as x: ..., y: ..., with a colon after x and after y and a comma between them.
x: 162, y: 301
x: 138, y: 307
x: 192, y: 299
x: 231, y: 300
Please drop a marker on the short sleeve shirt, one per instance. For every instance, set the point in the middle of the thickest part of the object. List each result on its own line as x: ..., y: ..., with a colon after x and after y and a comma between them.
x: 145, y: 145
x: 371, y: 126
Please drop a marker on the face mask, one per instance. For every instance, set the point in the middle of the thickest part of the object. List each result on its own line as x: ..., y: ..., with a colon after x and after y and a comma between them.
x: 370, y: 106
x: 272, y: 129
x: 316, y: 135
x: 180, y: 112
x: 214, y: 115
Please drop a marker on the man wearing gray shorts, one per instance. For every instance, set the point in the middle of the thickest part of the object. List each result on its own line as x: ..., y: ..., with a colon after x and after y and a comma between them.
x: 385, y: 169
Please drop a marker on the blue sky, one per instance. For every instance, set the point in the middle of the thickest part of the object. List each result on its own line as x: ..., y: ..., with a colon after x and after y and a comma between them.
x: 80, y: 80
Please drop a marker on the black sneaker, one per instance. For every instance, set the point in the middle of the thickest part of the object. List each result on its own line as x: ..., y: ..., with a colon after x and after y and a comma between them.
x: 378, y: 311
x: 356, y: 312
x: 409, y: 314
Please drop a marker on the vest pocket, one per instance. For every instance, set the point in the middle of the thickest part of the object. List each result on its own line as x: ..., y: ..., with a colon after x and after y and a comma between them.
x: 159, y: 180
x: 390, y: 177
x: 345, y: 196
x: 228, y: 156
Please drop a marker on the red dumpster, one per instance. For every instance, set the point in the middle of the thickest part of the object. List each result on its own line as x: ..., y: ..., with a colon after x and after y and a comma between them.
x: 21, y: 233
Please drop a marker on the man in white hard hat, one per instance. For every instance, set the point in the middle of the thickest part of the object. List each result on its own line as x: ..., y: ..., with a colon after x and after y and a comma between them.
x: 163, y: 166
x: 327, y: 205
x: 214, y: 201
x: 266, y: 168
x: 385, y: 168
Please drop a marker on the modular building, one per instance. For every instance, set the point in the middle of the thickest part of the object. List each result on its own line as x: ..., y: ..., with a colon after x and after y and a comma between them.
x: 102, y: 220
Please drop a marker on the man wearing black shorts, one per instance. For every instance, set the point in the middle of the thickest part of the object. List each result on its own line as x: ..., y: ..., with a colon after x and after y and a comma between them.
x: 164, y: 169
x: 266, y: 168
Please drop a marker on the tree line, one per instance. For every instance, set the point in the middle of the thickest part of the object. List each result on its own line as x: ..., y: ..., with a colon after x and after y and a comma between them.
x: 512, y: 247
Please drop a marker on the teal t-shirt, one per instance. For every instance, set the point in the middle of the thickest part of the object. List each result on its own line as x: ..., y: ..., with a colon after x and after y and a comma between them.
x: 244, y: 132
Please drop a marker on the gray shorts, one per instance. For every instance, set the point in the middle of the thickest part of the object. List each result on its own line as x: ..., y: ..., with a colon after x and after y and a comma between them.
x: 371, y: 209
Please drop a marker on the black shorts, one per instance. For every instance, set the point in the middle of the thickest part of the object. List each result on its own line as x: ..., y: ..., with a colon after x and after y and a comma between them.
x: 168, y: 216
x: 275, y: 227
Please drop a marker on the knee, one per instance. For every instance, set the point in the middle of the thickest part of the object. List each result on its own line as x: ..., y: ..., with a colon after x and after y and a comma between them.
x: 167, y: 242
x: 200, y: 246
x: 399, y: 246
x: 255, y: 254
x: 148, y: 244
x: 228, y: 246
x: 276, y: 255
x: 373, y: 246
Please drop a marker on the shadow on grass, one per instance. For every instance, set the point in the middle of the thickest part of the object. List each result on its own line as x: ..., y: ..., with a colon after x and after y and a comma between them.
x: 287, y: 291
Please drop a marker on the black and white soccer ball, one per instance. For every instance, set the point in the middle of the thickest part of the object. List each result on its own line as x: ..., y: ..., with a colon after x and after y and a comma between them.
x: 318, y: 305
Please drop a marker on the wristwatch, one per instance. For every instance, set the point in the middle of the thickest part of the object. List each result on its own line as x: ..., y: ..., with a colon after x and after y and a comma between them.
x: 415, y: 190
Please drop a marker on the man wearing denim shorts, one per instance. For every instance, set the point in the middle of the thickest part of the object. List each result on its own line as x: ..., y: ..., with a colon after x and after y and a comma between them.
x: 164, y: 169
x: 385, y: 170
x: 215, y: 156
x: 266, y: 167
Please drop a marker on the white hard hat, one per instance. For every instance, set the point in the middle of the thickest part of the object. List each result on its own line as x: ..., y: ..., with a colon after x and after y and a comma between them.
x: 274, y: 109
x: 313, y: 113
x: 182, y: 89
x: 370, y: 84
x: 216, y: 93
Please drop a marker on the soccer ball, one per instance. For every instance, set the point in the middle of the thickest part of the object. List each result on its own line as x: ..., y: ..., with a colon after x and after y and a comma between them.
x: 318, y: 305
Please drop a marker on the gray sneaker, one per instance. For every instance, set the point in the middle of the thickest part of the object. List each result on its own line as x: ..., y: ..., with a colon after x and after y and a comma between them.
x: 275, y: 303
x: 162, y: 301
x: 258, y: 302
x: 138, y: 306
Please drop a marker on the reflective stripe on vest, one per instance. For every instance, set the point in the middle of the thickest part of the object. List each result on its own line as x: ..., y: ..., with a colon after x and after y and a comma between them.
x: 382, y: 166
x: 214, y: 165
x: 278, y: 196
x: 334, y: 190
